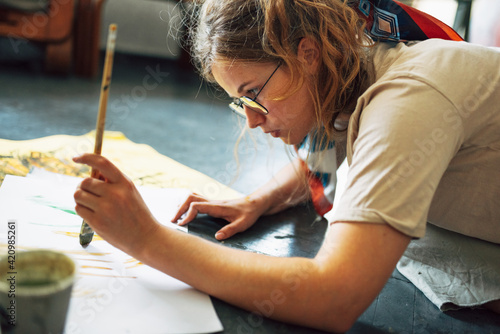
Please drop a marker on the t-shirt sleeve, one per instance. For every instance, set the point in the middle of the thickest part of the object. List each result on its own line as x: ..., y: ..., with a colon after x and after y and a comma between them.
x: 401, y: 146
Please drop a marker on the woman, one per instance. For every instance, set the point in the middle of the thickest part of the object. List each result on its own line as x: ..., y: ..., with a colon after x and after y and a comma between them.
x: 419, y: 123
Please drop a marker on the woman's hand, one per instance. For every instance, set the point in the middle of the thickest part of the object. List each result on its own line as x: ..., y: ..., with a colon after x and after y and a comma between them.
x: 112, y: 206
x: 286, y: 189
x: 241, y: 213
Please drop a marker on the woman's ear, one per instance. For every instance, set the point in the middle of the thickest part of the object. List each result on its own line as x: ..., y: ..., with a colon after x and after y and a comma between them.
x: 308, y: 52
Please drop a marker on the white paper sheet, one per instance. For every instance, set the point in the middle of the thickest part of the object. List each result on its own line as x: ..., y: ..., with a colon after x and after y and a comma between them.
x: 113, y: 292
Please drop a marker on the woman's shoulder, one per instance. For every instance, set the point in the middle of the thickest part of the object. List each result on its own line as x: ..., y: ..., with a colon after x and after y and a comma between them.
x: 436, y: 87
x: 456, y: 71
x: 433, y: 59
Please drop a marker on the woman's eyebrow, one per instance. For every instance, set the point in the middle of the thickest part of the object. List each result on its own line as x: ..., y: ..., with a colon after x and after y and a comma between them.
x: 240, y: 88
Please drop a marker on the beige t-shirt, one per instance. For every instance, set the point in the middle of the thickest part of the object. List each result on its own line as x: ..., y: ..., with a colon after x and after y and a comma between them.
x: 423, y: 143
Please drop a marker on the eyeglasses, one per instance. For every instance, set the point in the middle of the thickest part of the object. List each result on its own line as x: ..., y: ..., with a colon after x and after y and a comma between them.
x: 238, y: 103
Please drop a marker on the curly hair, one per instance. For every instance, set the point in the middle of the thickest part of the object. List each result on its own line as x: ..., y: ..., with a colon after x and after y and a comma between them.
x: 270, y: 31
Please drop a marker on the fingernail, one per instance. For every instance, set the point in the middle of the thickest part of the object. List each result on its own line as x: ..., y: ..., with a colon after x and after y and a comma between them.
x: 219, y: 235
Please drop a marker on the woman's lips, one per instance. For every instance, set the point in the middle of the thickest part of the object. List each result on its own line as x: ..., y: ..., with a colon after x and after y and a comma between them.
x: 275, y: 133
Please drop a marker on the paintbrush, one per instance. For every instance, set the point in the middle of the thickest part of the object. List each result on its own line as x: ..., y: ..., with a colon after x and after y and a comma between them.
x: 86, y: 232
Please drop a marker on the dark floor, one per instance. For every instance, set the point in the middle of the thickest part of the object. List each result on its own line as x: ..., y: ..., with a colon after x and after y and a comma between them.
x: 189, y: 122
x: 151, y: 101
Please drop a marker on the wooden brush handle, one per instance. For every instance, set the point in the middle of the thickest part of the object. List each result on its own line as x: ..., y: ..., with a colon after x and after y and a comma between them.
x: 103, y: 100
x: 106, y: 82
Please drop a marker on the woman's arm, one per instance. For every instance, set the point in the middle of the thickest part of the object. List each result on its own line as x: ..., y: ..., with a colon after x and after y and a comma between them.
x: 328, y: 292
x: 287, y: 188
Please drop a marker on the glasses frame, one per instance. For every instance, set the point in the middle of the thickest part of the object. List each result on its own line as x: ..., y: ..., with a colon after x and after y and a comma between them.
x: 238, y: 102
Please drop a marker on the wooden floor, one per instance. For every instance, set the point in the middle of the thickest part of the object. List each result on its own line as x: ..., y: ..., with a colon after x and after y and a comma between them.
x: 184, y: 120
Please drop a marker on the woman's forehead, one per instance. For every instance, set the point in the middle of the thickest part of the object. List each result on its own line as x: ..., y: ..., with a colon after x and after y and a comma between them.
x: 240, y: 65
x: 233, y: 77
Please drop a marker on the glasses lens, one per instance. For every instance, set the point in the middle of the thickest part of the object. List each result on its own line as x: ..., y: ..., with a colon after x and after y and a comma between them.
x: 237, y: 109
x: 254, y: 105
x: 237, y: 106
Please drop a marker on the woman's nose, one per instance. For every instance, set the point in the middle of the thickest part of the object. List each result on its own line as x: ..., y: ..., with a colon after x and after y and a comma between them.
x: 254, y: 119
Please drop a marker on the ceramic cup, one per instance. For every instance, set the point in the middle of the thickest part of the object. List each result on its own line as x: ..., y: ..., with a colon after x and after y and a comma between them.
x: 35, y: 289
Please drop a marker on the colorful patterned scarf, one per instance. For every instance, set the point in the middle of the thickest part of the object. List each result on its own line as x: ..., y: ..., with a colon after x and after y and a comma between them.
x: 386, y: 20
x: 394, y: 21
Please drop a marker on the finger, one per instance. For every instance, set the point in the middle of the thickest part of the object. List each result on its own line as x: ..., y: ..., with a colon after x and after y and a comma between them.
x: 85, y: 213
x: 106, y: 169
x: 96, y: 174
x: 86, y: 199
x: 191, y: 214
x: 199, y: 207
x: 229, y: 230
x: 186, y: 205
x: 93, y: 186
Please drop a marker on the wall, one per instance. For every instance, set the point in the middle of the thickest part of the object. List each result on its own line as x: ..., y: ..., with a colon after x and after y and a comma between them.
x: 146, y: 27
